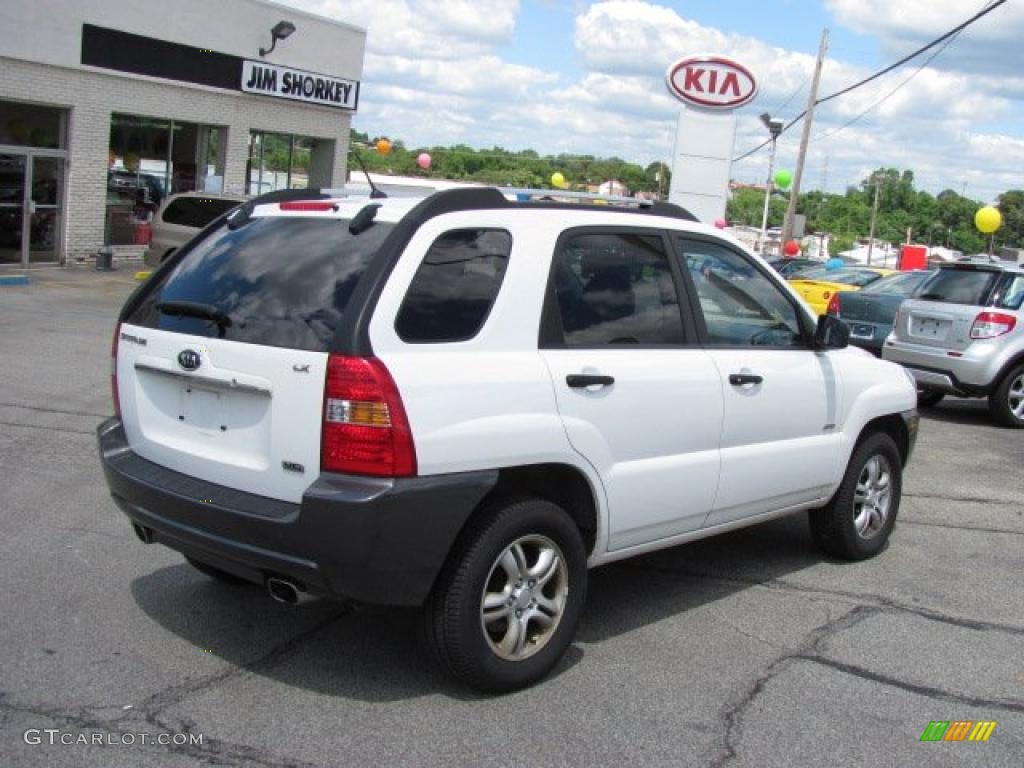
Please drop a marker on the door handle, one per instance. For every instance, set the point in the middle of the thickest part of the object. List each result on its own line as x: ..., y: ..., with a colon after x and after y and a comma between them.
x: 581, y: 380
x: 740, y: 379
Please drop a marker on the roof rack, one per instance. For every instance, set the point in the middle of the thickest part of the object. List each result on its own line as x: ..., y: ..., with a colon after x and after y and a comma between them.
x: 563, y: 199
x: 524, y: 195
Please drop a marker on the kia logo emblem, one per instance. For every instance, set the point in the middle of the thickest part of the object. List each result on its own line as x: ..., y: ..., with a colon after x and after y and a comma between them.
x: 711, y: 82
x: 189, y: 359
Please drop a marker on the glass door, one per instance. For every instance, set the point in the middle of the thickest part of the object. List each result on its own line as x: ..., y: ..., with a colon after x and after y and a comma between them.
x: 13, y: 172
x: 45, y: 206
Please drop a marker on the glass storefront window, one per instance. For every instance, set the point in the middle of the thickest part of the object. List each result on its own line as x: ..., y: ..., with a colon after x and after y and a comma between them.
x: 281, y: 161
x: 30, y: 125
x: 150, y: 158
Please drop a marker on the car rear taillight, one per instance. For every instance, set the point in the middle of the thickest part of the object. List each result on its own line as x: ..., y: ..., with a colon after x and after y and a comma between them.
x: 365, y: 429
x: 113, y: 371
x: 833, y: 305
x: 988, y: 325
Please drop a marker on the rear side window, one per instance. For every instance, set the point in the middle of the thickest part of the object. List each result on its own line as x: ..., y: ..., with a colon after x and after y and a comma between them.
x: 196, y: 211
x: 1013, y: 294
x: 455, y: 286
x: 959, y: 286
x: 616, y: 289
x: 275, y: 281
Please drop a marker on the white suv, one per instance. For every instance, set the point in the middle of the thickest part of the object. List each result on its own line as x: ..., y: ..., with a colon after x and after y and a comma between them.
x: 465, y: 402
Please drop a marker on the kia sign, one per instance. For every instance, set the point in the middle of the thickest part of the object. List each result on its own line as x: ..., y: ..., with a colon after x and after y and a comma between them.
x: 711, y: 82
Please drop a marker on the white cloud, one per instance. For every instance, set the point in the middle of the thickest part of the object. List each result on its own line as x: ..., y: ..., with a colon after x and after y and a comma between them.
x: 990, y: 46
x: 483, y: 76
x: 447, y: 29
x: 436, y: 72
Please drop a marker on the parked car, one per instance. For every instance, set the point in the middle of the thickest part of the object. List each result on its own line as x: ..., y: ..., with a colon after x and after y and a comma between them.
x: 181, y: 218
x: 869, y: 312
x: 963, y: 334
x: 463, y: 402
x: 789, y: 267
x: 817, y: 286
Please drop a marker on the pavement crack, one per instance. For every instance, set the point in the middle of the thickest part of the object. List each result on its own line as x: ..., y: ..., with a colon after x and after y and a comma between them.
x: 920, y: 690
x: 963, y: 499
x: 40, y: 409
x: 970, y: 528
x: 174, y: 694
x: 861, y: 598
x: 46, y: 428
x: 732, y: 716
x: 211, y: 751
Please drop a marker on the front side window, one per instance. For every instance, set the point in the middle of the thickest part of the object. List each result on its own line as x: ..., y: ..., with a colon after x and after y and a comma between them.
x: 740, y: 305
x: 455, y: 286
x: 616, y: 289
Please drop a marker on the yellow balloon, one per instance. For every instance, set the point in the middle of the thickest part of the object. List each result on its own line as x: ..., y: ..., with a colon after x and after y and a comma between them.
x: 988, y: 219
x: 383, y: 147
x: 557, y: 180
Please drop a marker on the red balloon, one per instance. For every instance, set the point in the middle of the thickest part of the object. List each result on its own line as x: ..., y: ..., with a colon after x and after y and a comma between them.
x: 792, y: 248
x: 720, y: 223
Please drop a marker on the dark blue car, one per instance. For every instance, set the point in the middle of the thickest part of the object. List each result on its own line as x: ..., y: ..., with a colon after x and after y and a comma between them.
x: 871, y: 311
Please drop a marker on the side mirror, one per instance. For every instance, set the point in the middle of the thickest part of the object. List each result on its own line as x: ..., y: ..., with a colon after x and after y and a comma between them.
x: 831, y: 333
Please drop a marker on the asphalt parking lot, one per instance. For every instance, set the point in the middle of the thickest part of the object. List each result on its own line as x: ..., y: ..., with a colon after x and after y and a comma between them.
x: 750, y: 649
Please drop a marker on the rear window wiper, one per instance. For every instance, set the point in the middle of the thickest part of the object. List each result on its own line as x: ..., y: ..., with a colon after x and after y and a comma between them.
x: 195, y: 309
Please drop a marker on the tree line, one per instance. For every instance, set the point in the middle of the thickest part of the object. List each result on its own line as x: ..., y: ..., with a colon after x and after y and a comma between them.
x: 943, y: 219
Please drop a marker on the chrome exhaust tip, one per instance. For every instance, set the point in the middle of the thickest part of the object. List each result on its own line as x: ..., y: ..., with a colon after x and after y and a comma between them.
x: 284, y: 591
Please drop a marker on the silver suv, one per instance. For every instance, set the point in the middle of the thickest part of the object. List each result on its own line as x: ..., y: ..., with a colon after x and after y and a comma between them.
x: 963, y: 334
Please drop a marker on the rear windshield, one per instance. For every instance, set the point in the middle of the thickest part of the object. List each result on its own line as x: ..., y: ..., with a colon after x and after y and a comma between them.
x: 902, y: 284
x: 196, y: 211
x: 277, y: 281
x: 857, y: 277
x: 959, y: 286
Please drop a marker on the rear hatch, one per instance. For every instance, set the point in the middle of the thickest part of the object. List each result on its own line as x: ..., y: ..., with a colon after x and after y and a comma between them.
x: 945, y: 308
x: 221, y: 363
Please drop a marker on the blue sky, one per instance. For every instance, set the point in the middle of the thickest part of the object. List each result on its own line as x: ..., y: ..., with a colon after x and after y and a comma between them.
x: 588, y: 77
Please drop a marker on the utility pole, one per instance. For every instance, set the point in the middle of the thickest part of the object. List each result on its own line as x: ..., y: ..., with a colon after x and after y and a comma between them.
x: 874, y: 215
x: 812, y: 97
x: 774, y: 129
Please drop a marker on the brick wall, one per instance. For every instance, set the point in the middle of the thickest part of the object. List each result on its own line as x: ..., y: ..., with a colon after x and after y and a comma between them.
x: 92, y: 95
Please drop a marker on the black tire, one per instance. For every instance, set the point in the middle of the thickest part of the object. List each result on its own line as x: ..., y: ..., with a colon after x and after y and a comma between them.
x: 835, y: 528
x: 216, y: 573
x: 1007, y: 401
x: 926, y: 398
x: 466, y: 645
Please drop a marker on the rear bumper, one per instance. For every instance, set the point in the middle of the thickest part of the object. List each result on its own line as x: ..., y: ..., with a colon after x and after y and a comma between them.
x: 376, y: 540
x: 974, y: 372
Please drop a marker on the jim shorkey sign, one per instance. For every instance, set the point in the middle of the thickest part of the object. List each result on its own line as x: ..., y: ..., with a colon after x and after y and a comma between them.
x: 287, y: 83
x: 710, y: 87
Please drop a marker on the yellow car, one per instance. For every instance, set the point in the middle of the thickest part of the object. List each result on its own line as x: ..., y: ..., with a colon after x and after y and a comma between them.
x: 817, y: 286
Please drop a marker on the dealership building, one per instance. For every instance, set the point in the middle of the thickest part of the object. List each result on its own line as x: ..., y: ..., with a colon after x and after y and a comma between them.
x: 109, y: 106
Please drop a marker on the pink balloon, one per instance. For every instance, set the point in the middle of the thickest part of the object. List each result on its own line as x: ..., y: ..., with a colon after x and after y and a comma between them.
x: 423, y: 161
x: 720, y: 223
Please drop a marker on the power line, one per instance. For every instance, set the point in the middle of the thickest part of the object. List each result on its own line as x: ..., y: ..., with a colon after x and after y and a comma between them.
x: 887, y: 96
x: 793, y: 95
x: 937, y: 41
